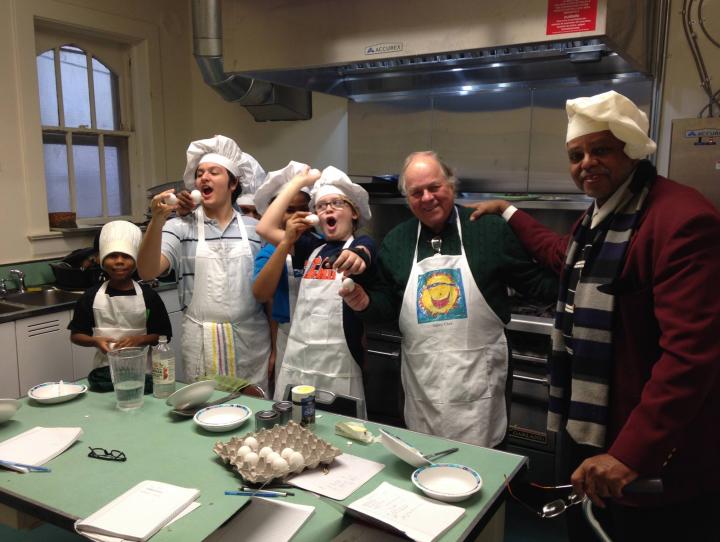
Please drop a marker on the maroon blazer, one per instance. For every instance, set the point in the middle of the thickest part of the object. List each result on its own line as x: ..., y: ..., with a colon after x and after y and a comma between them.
x: 665, y: 389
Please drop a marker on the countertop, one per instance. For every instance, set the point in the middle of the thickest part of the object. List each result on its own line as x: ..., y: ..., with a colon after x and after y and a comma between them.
x: 27, y: 311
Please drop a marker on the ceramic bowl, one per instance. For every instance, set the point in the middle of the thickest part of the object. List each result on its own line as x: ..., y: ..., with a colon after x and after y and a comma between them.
x: 8, y: 408
x: 220, y: 418
x: 191, y: 395
x: 403, y: 450
x: 447, y: 481
x: 56, y: 392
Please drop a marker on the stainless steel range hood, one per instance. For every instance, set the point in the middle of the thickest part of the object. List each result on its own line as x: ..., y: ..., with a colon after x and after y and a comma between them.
x: 374, y: 49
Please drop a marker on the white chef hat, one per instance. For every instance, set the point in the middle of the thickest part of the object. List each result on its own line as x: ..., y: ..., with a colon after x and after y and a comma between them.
x: 274, y: 183
x: 611, y: 111
x: 251, y: 175
x: 335, y: 181
x: 217, y: 150
x: 245, y: 199
x: 120, y: 236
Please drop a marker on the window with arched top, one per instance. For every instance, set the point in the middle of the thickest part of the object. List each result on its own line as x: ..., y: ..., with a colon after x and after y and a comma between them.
x: 85, y: 128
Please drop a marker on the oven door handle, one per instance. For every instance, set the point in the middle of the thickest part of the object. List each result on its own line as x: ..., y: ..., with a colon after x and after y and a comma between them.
x: 393, y: 355
x: 531, y: 379
x: 535, y: 360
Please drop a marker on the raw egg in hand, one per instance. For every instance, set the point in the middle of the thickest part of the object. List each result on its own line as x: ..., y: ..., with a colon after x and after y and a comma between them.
x: 348, y: 284
x: 312, y: 219
x: 196, y: 196
x: 171, y: 199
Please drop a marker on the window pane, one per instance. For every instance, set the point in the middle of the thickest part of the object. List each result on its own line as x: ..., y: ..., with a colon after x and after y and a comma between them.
x: 86, y: 159
x: 47, y: 88
x: 105, y: 85
x: 76, y: 95
x: 116, y: 175
x: 56, y: 173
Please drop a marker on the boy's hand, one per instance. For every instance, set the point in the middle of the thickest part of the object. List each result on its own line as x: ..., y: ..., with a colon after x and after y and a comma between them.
x: 357, y: 298
x: 127, y: 342
x: 104, y: 344
x: 349, y: 263
x: 307, y: 177
x: 185, y: 204
x: 161, y: 210
x: 296, y: 226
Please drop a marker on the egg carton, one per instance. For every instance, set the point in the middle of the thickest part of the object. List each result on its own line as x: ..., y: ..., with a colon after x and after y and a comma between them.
x: 315, y: 451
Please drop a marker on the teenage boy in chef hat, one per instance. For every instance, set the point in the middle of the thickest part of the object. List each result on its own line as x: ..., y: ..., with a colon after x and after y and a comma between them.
x: 251, y: 178
x: 277, y: 273
x: 225, y: 331
x: 119, y: 312
x: 324, y: 346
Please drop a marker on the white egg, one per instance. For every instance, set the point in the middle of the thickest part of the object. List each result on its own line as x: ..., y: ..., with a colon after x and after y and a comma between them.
x: 297, y: 461
x: 312, y: 219
x: 280, y: 466
x: 266, y: 451
x: 314, y: 172
x: 243, y: 451
x: 348, y: 284
x: 272, y: 456
x: 171, y: 199
x: 252, y: 443
x: 251, y: 459
x: 196, y: 196
x: 286, y: 453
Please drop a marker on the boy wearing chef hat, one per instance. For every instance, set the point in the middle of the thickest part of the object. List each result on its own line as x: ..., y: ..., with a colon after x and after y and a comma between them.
x: 119, y: 312
x: 277, y: 277
x: 324, y: 347
x: 212, y: 249
x: 633, y: 372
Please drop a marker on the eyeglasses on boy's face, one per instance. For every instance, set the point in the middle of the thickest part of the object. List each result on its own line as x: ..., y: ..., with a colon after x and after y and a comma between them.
x: 102, y: 453
x: 336, y: 204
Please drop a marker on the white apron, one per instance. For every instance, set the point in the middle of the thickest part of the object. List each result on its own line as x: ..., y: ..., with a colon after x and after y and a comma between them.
x: 454, y: 353
x: 317, y: 352
x: 118, y: 317
x: 283, y: 330
x: 225, y: 331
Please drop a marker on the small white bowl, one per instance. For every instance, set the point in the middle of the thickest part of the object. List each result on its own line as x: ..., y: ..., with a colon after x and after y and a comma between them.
x: 220, y: 418
x: 402, y: 449
x: 191, y: 395
x: 8, y: 408
x: 56, y: 392
x: 447, y: 481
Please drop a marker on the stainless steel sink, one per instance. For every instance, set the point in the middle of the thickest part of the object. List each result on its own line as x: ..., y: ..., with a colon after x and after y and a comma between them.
x: 44, y: 298
x: 6, y: 308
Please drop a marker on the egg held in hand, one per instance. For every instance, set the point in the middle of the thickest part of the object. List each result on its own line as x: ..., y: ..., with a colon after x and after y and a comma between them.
x: 348, y: 284
x: 196, y: 196
x: 171, y: 199
x: 312, y: 219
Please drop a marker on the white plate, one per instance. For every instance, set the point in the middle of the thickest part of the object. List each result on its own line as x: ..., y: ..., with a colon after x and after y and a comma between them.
x: 8, y: 408
x: 192, y: 395
x: 447, y: 481
x: 403, y: 450
x: 219, y: 418
x: 56, y: 392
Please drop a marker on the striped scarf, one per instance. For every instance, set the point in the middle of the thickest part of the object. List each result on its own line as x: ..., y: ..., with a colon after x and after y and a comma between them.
x: 582, y: 352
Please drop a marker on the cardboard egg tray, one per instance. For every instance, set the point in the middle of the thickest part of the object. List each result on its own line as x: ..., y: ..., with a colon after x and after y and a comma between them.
x: 315, y: 451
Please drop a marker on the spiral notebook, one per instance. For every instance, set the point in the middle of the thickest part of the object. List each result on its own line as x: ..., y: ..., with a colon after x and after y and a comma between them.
x: 138, y: 513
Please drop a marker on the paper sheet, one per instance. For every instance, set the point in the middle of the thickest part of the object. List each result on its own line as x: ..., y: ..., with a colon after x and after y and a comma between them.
x: 419, y: 518
x: 346, y: 474
x: 38, y: 445
x: 264, y: 520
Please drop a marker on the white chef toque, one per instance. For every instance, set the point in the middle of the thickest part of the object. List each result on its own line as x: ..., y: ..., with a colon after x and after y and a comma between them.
x: 120, y: 236
x: 335, y: 181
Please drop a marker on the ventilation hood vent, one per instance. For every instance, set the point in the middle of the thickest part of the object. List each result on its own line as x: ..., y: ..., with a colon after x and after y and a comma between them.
x: 372, y: 49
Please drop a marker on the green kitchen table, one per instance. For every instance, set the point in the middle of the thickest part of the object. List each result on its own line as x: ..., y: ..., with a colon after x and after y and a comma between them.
x: 160, y: 446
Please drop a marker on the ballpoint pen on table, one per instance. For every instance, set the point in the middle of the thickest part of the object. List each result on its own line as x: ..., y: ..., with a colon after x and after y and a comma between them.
x: 273, y: 489
x: 22, y: 467
x: 257, y: 493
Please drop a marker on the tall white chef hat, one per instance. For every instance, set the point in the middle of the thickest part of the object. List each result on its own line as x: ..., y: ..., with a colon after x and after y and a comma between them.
x: 275, y: 182
x: 335, y: 181
x: 611, y: 111
x: 251, y: 175
x: 217, y: 150
x: 120, y: 236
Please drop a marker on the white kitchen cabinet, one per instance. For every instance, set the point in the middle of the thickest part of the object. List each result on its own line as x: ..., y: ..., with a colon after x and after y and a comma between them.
x: 44, y: 351
x: 9, y: 387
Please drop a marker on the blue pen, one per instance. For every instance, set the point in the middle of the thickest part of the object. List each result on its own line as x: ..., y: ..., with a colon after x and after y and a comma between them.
x: 13, y: 464
x: 256, y: 493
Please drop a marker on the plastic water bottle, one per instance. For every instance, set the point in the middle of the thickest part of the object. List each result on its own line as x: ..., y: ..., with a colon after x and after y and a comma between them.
x: 163, y: 369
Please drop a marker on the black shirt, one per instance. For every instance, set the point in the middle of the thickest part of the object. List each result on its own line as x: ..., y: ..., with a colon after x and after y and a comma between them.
x: 158, y: 322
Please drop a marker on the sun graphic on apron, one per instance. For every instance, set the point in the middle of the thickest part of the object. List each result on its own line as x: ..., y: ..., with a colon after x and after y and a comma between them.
x: 440, y: 296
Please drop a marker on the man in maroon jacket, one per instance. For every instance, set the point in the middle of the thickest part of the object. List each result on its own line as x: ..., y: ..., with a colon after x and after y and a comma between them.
x: 635, y: 368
